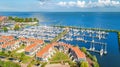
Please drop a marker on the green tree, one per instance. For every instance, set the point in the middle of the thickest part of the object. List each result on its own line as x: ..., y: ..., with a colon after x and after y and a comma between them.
x: 9, y: 53
x: 16, y: 27
x: 83, y: 49
x: 94, y: 58
x: 5, y: 29
x: 30, y: 19
x: 35, y: 19
x: 84, y: 64
x: 10, y: 18
x: 96, y: 64
x: 16, y: 19
x: 22, y: 56
x: 26, y: 20
x: 21, y: 20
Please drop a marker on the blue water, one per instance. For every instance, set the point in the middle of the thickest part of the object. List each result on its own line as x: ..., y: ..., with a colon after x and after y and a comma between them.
x: 110, y: 20
x: 112, y: 58
x: 103, y: 20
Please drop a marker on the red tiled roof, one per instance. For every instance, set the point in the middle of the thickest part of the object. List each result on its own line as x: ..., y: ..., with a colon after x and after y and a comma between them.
x: 78, y: 52
x: 1, y: 40
x: 9, y: 43
x: 2, y: 18
x: 22, y: 38
x: 39, y: 41
x: 32, y: 40
x: 65, y: 45
x: 28, y: 48
x: 44, y: 50
x: 7, y: 37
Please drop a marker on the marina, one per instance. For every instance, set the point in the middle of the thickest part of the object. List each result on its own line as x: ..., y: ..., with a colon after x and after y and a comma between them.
x: 47, y: 33
x: 39, y: 32
x: 89, y: 32
x: 83, y: 36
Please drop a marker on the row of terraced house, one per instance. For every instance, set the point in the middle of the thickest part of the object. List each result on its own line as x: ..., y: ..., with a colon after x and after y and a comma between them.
x: 9, y: 43
x: 35, y: 47
x: 74, y: 52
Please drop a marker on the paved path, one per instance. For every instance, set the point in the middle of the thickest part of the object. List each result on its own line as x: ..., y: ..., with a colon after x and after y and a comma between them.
x: 90, y: 62
x: 23, y: 65
x: 57, y: 65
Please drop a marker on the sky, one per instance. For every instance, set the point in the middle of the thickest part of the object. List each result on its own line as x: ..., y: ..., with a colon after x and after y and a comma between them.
x: 60, y: 5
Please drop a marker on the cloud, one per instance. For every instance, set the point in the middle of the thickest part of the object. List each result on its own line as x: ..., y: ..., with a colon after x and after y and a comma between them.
x: 89, y: 4
x: 62, y: 3
x: 81, y: 4
x: 72, y: 3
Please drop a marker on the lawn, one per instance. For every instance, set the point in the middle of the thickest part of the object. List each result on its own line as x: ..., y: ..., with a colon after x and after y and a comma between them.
x: 23, y: 57
x: 3, y: 53
x: 20, y: 55
x: 26, y: 59
x: 59, y: 56
x: 21, y: 47
x: 8, y: 64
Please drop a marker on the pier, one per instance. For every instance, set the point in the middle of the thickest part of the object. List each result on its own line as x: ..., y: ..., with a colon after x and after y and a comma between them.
x: 82, y: 28
x: 46, y: 33
x: 102, y: 51
x: 57, y: 38
x: 103, y: 46
x: 96, y: 29
x: 96, y: 38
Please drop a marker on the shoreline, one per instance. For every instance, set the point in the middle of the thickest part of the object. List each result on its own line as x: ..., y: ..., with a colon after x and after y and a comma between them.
x: 118, y: 38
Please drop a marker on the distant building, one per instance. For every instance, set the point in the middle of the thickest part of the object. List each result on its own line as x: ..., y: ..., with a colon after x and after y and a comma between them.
x: 2, y: 18
x: 5, y: 39
x: 26, y: 41
x: 12, y: 45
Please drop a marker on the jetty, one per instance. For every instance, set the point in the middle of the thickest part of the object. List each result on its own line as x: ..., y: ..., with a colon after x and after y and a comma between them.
x: 59, y: 36
x: 80, y: 34
x: 102, y: 51
x: 94, y: 29
x: 82, y: 28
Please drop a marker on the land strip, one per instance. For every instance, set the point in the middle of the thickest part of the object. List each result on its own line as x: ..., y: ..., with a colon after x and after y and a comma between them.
x: 57, y: 38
